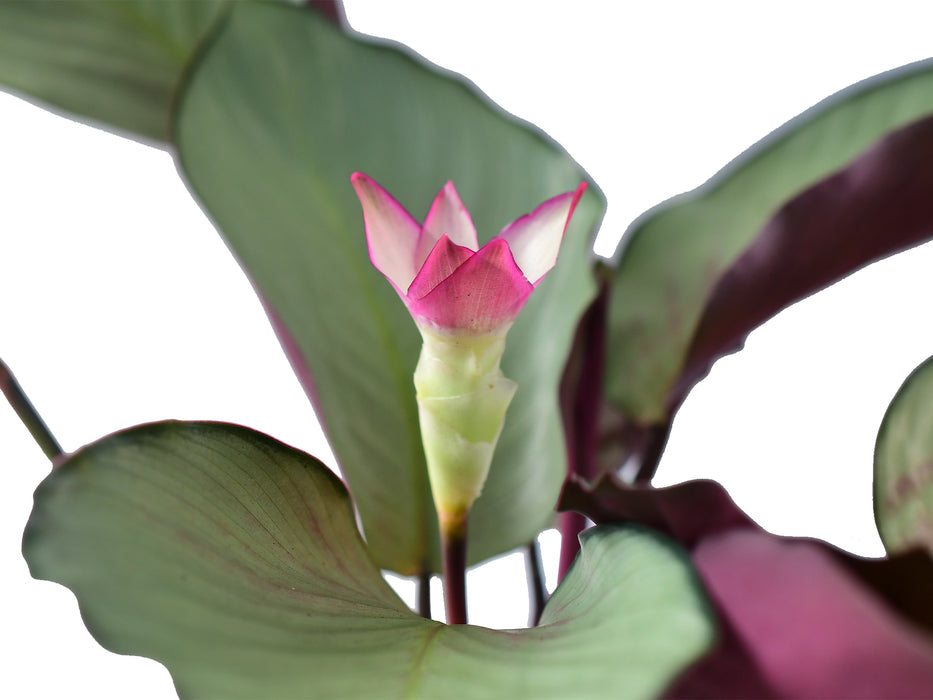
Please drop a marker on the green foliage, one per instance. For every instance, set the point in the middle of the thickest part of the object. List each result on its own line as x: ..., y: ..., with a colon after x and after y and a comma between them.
x: 675, y: 255
x: 904, y: 465
x: 113, y: 63
x: 236, y: 562
x: 281, y: 109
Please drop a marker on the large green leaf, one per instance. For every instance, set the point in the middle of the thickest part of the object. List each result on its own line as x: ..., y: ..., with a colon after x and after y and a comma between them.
x: 277, y: 115
x: 115, y: 63
x: 235, y: 561
x: 675, y: 256
x: 904, y: 465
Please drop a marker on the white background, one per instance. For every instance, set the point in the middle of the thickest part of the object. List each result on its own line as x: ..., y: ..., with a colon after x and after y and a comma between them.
x: 119, y: 304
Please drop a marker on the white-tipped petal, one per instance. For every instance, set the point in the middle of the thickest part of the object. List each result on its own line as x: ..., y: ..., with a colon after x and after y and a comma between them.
x: 447, y: 217
x: 391, y: 232
x: 534, y: 239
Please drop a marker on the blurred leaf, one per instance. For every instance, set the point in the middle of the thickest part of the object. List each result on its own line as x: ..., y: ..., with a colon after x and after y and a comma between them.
x: 235, y: 561
x: 276, y: 116
x: 814, y: 630
x: 904, y: 465
x: 903, y: 580
x: 798, y: 617
x: 697, y: 273
x: 113, y: 63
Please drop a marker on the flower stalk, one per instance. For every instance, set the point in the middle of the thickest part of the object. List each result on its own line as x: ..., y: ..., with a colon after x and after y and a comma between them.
x: 462, y: 399
x: 453, y: 552
x: 463, y: 298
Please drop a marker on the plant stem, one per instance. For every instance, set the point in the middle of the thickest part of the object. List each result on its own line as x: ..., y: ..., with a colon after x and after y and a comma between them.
x: 651, y: 450
x: 571, y: 524
x: 27, y: 413
x: 537, y: 592
x: 581, y: 401
x: 423, y: 594
x: 453, y: 549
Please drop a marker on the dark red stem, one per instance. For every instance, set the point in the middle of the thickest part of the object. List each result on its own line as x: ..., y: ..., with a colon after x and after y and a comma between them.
x: 581, y: 403
x: 453, y: 546
x: 423, y: 595
x: 571, y: 524
x: 537, y: 591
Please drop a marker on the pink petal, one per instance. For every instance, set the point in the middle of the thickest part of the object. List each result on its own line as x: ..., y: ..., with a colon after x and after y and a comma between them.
x: 391, y: 232
x: 441, y: 263
x: 447, y: 216
x: 485, y: 292
x: 535, y: 238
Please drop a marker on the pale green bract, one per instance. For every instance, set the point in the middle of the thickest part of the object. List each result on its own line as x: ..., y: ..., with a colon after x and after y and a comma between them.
x: 462, y: 400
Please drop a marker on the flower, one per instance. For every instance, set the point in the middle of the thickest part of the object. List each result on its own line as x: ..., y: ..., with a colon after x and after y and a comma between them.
x: 448, y: 282
x: 463, y: 299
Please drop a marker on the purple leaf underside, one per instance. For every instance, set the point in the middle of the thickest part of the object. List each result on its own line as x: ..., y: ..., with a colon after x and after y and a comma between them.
x: 799, y: 618
x: 814, y: 630
x: 687, y: 512
x: 878, y: 205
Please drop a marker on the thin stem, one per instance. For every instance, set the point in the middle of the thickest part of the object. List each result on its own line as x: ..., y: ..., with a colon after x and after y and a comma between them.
x: 537, y: 592
x: 27, y: 413
x: 571, y: 524
x: 453, y: 549
x: 423, y: 594
x: 651, y: 450
x: 581, y: 408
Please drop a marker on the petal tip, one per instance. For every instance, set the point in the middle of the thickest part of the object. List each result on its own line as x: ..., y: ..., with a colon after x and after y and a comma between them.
x: 448, y: 215
x: 358, y: 178
x: 535, y: 238
x: 577, y: 194
x: 391, y: 232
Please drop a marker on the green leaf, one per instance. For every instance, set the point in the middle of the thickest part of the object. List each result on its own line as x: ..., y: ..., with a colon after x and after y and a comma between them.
x: 113, y: 63
x: 677, y: 253
x: 877, y: 205
x: 235, y: 561
x: 274, y: 119
x: 904, y: 465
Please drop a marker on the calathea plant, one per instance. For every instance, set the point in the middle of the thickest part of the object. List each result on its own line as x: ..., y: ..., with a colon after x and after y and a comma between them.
x: 249, y: 570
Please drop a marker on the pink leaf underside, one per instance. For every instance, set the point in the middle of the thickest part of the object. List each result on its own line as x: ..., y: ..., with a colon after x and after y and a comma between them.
x: 449, y: 217
x: 815, y: 631
x: 391, y: 232
x: 799, y: 619
x: 483, y: 293
x: 535, y: 238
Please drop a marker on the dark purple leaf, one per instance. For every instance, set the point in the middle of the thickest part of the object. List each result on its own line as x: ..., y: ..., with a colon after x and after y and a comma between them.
x: 687, y: 512
x: 903, y: 580
x: 580, y: 389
